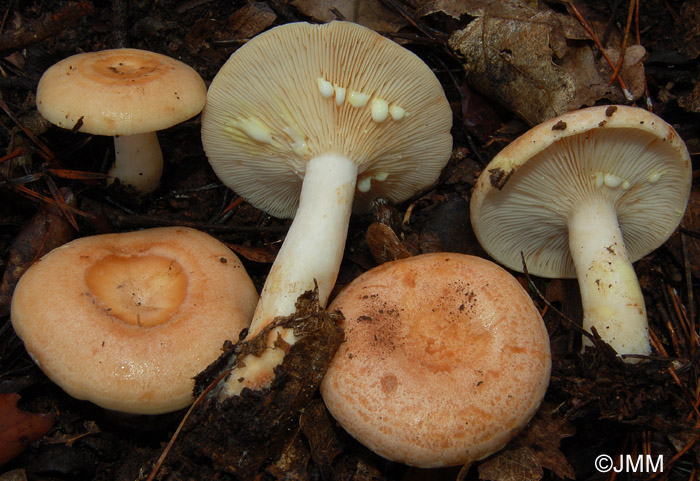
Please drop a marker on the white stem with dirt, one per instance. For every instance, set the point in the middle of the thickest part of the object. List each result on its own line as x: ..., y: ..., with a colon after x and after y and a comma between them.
x: 610, y: 293
x: 311, y: 253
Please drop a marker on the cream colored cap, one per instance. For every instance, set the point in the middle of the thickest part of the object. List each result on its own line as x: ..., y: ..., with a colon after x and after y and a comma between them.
x: 120, y: 92
x: 445, y: 360
x: 299, y: 90
x: 626, y: 155
x: 127, y: 320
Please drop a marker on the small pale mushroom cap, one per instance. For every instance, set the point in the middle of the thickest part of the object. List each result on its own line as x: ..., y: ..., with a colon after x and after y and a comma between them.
x: 445, y: 360
x: 627, y: 155
x: 127, y: 320
x: 120, y: 92
x: 299, y: 90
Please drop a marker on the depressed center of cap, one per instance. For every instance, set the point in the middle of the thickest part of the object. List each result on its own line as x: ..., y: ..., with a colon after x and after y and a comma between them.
x: 139, y: 290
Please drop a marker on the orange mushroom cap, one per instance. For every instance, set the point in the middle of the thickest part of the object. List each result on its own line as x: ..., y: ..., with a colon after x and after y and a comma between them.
x: 445, y: 360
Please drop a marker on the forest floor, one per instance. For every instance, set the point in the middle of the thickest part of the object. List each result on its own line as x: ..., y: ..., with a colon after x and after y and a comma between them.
x: 547, y: 63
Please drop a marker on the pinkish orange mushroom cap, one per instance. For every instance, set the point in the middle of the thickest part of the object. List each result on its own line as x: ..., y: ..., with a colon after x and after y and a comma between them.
x: 445, y: 360
x: 127, y: 320
x: 126, y: 93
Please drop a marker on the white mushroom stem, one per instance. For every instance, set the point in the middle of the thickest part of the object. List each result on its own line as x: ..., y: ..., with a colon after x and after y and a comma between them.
x: 610, y: 293
x: 138, y: 161
x: 311, y: 253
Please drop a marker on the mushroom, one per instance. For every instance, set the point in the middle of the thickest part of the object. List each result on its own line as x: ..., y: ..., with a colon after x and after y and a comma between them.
x: 127, y: 320
x: 129, y: 94
x: 311, y: 122
x: 445, y: 359
x: 585, y: 195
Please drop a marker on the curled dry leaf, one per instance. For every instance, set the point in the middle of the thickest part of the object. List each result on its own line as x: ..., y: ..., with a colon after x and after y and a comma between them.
x: 537, y: 447
x: 19, y: 428
x: 524, y: 58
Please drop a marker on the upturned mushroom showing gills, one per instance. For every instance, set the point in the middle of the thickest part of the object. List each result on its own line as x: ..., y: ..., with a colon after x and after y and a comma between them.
x: 445, y: 359
x: 127, y: 320
x: 311, y: 122
x: 126, y: 93
x: 584, y: 195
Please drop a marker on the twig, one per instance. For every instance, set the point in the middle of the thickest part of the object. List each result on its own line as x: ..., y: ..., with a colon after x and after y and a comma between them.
x: 5, y: 15
x: 43, y: 149
x: 647, y: 94
x: 173, y: 438
x: 625, y: 39
x: 61, y: 204
x: 676, y: 456
x: 45, y: 27
x: 401, y: 10
x: 596, y: 41
x: 689, y: 292
x: 549, y: 304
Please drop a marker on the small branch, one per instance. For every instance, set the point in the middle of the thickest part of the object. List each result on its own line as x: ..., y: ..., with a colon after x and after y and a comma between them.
x: 550, y: 305
x: 625, y: 39
x: 596, y: 41
x: 173, y: 438
x: 48, y: 25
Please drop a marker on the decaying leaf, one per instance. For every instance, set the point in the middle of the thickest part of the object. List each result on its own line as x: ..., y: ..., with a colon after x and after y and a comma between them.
x: 516, y: 463
x: 690, y: 100
x: 689, y: 26
x: 691, y: 222
x: 19, y: 428
x: 370, y: 13
x: 523, y: 57
x: 317, y: 425
x: 292, y: 464
x: 46, y: 230
x: 246, y: 433
x: 265, y: 255
x: 14, y: 475
x: 537, y: 447
x: 384, y: 244
x: 245, y: 23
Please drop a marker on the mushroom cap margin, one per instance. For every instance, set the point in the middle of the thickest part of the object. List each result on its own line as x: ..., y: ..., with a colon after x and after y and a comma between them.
x: 270, y: 87
x: 120, y: 92
x: 536, y: 221
x: 430, y: 375
x: 120, y: 366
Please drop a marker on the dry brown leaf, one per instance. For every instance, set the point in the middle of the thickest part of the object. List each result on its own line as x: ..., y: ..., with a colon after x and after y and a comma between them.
x: 14, y: 475
x: 264, y: 255
x: 534, y: 449
x: 19, y: 428
x: 370, y: 13
x: 512, y: 464
x: 691, y: 221
x: 565, y: 295
x: 250, y: 20
x: 383, y: 243
x: 690, y: 101
x: 689, y: 26
x: 523, y: 57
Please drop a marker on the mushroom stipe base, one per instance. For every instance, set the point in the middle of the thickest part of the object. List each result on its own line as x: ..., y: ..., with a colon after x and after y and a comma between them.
x: 239, y: 434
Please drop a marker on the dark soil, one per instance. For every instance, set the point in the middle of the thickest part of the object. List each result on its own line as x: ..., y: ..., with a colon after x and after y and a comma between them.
x: 595, y: 404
